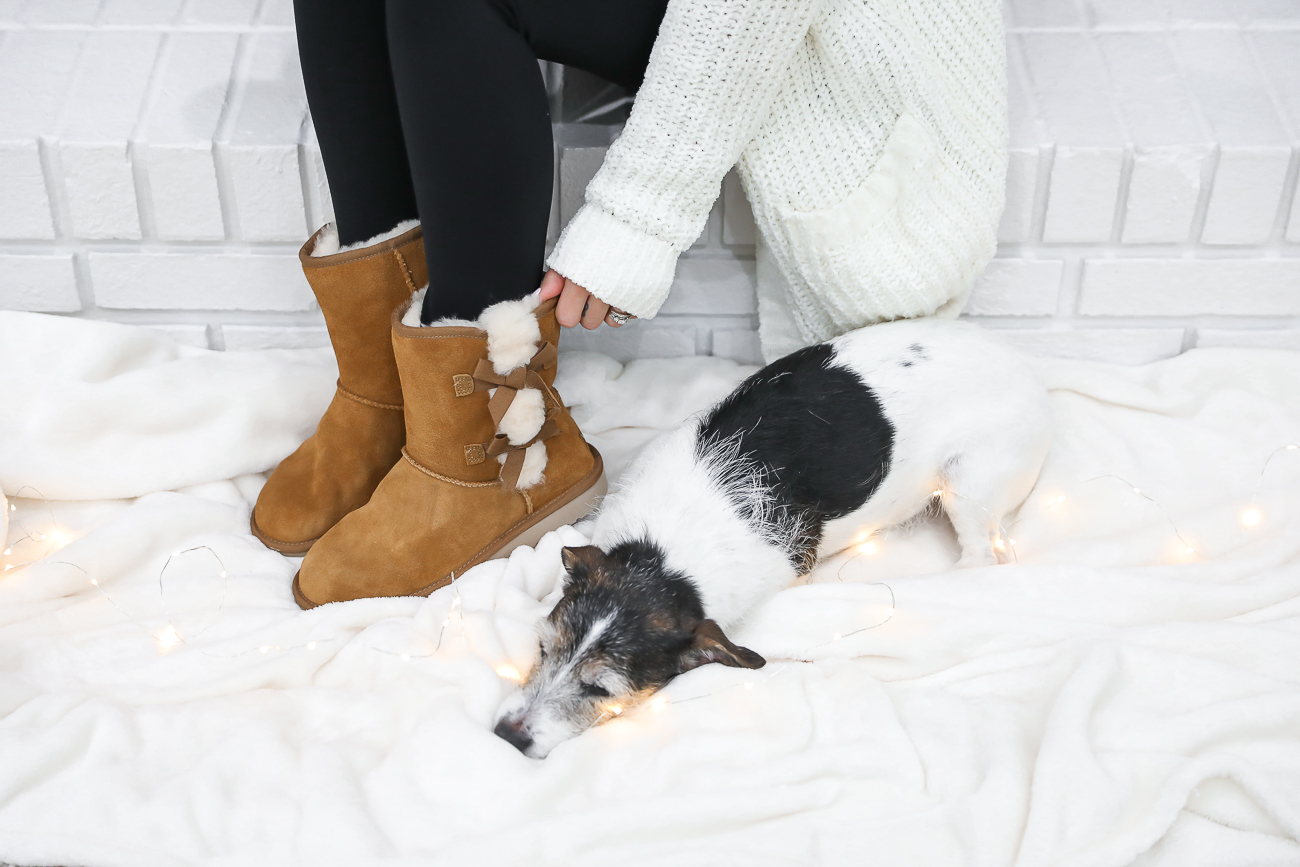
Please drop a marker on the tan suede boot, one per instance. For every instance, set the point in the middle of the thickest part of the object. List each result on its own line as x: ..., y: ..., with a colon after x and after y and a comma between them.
x: 480, y: 475
x: 361, y: 435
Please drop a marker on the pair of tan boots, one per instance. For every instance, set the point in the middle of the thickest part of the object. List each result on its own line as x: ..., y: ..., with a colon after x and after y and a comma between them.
x: 443, y: 447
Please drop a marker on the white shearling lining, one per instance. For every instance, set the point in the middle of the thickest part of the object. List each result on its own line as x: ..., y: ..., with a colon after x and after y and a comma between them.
x: 513, y: 335
x: 328, y: 242
x: 411, y: 317
x: 524, y: 418
x: 512, y: 332
x: 532, y: 473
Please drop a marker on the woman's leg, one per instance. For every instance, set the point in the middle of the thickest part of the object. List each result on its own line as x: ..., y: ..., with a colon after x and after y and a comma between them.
x: 343, y: 45
x: 609, y: 39
x: 478, y: 133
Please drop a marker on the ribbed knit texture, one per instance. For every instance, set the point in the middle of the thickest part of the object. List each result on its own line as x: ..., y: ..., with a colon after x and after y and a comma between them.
x: 870, y: 136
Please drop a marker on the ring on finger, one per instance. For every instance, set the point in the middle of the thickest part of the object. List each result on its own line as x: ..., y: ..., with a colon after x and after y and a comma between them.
x: 618, y: 317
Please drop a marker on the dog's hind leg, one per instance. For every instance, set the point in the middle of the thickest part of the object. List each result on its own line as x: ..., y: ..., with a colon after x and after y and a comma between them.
x: 976, y: 530
x: 974, y: 496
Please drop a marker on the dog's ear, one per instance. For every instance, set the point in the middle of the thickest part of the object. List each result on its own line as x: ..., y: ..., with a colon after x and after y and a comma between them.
x: 580, y: 562
x: 710, y: 645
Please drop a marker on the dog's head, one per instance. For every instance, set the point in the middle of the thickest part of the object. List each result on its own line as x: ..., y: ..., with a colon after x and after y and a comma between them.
x: 625, y: 626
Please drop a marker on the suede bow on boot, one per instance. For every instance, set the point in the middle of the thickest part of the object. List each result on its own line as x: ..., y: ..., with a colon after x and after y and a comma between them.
x: 493, y: 460
x: 361, y: 435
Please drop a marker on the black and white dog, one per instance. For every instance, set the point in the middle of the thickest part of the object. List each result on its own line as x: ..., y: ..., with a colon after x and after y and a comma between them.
x: 810, y: 455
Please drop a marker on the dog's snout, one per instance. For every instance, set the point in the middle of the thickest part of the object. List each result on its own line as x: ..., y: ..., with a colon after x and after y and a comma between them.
x: 514, y: 734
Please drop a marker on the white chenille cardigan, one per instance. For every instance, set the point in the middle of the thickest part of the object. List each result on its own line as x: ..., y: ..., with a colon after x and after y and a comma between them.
x: 870, y: 136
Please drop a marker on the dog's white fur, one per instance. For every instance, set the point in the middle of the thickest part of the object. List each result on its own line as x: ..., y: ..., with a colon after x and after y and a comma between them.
x: 513, y: 336
x: 970, y: 420
x: 328, y: 242
x: 677, y: 501
x: 549, y: 723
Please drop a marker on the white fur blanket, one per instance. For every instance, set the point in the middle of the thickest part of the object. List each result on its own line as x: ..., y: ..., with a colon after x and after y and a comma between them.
x: 1109, y: 699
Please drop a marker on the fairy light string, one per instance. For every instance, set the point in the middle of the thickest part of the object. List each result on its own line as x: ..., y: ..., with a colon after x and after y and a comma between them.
x: 55, y: 535
x: 169, y: 636
x: 1251, y: 515
x: 1163, y: 511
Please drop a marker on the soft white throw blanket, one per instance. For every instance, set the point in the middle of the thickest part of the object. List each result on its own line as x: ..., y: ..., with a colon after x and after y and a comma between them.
x: 1109, y: 699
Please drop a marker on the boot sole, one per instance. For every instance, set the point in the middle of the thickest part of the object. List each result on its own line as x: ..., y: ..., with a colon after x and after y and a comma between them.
x: 290, y: 548
x: 559, y: 512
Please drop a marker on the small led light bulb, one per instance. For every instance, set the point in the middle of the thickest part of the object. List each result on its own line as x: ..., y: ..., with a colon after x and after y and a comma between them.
x: 94, y: 581
x: 1252, y: 516
x: 311, y: 645
x: 1137, y: 490
x: 658, y: 704
x: 405, y: 657
x: 167, y: 639
x: 8, y: 551
x: 263, y: 649
x: 509, y: 672
x: 867, y: 548
x: 749, y: 684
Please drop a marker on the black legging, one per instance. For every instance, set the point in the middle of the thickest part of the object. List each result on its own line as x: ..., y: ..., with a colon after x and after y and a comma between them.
x: 436, y: 109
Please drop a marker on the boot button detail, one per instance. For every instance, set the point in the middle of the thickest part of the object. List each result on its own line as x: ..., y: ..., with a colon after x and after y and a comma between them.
x: 474, y: 454
x: 463, y: 384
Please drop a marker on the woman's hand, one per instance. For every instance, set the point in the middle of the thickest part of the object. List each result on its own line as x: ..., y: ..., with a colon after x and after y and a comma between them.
x: 576, y: 305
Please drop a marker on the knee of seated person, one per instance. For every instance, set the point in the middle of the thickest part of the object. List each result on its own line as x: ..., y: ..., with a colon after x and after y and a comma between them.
x: 423, y: 21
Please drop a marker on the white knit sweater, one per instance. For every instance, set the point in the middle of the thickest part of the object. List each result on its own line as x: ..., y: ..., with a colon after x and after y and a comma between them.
x: 870, y: 136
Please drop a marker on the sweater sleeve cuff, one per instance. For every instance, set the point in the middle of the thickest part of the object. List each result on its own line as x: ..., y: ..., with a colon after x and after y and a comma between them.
x: 622, y: 266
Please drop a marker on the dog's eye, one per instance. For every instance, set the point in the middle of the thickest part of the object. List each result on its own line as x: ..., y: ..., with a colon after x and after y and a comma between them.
x: 595, y: 690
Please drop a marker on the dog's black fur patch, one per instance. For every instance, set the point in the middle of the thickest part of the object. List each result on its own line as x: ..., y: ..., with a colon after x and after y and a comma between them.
x: 814, y: 433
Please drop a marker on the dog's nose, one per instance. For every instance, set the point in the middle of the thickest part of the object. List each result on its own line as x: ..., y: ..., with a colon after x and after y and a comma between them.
x: 513, y: 733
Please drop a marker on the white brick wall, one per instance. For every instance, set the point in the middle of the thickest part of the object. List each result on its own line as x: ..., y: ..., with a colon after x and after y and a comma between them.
x: 1184, y: 287
x: 217, y: 280
x: 45, y: 63
x: 175, y: 156
x: 44, y: 284
x: 157, y: 166
x: 259, y: 147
